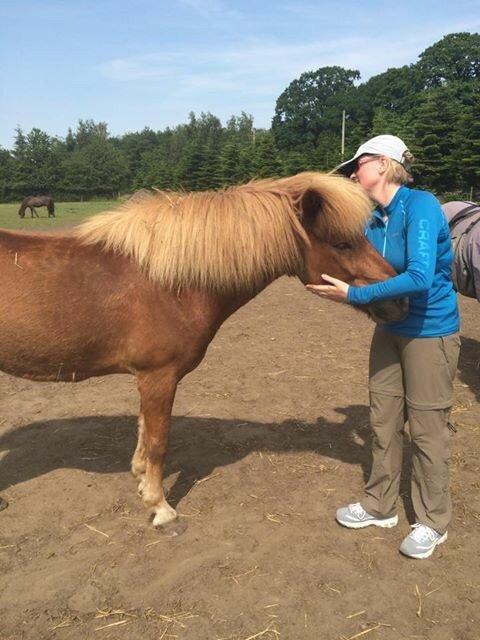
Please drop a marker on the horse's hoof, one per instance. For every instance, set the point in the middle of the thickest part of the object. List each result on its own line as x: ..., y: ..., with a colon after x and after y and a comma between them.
x: 172, y: 529
x: 3, y: 504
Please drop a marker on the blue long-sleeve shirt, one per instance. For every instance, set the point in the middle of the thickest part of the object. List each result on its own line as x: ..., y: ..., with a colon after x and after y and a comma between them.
x: 412, y: 234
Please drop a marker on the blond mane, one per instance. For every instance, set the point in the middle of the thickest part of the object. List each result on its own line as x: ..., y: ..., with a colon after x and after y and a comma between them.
x: 230, y: 240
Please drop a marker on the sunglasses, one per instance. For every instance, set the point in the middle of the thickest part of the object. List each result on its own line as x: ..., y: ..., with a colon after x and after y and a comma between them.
x: 365, y: 160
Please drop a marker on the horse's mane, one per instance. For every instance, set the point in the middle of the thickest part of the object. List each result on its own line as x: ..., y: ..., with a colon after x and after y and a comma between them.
x: 233, y: 239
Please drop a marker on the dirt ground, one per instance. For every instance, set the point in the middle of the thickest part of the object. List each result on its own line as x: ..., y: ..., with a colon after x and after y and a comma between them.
x: 270, y: 435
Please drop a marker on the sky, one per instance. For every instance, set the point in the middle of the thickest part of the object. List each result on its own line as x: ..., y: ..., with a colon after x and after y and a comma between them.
x: 138, y: 63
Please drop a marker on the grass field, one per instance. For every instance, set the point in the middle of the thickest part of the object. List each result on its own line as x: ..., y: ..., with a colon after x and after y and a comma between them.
x: 67, y: 215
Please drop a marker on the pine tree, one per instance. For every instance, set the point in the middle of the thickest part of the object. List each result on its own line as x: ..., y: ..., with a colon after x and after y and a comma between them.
x: 189, y: 171
x: 230, y: 163
x: 469, y: 149
x: 267, y: 162
x: 246, y: 163
x: 435, y: 129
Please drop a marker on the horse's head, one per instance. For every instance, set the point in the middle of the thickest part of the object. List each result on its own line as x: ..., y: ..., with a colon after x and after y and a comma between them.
x: 21, y: 212
x: 333, y: 215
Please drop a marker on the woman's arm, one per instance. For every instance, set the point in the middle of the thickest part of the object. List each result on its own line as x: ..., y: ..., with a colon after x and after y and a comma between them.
x: 424, y: 222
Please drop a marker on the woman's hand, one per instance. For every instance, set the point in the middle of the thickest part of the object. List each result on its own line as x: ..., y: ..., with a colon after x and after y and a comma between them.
x: 337, y: 289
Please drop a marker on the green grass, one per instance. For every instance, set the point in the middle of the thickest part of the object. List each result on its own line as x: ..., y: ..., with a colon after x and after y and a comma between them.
x: 67, y: 214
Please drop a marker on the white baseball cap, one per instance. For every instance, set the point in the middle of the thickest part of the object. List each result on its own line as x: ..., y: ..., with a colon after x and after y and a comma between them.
x: 385, y: 145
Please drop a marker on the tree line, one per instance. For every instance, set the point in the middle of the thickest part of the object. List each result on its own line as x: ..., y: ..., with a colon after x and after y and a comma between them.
x: 433, y: 104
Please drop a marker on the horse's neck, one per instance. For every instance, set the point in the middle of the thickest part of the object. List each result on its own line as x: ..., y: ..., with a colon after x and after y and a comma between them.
x: 212, y: 309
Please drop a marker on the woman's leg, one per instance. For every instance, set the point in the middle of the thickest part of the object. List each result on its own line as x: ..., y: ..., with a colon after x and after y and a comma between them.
x: 387, y: 420
x: 430, y: 365
x: 387, y: 423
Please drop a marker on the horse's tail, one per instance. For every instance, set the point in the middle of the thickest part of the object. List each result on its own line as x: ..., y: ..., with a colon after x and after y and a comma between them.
x: 51, y: 207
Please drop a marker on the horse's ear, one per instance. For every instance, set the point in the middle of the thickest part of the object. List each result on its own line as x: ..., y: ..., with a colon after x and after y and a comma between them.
x: 310, y: 205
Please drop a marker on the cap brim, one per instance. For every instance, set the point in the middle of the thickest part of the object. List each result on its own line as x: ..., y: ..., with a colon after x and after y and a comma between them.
x: 346, y: 168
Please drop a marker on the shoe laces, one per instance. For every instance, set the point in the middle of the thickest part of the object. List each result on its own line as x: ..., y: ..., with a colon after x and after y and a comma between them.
x: 423, y: 533
x: 357, y: 509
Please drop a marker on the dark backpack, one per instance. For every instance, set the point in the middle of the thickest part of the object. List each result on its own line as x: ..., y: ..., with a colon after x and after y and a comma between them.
x: 461, y: 269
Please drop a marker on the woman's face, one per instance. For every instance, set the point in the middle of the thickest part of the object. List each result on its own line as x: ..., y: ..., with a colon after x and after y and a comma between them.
x: 368, y: 171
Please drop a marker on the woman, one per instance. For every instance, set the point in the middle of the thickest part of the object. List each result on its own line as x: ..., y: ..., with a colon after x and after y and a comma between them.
x: 412, y: 362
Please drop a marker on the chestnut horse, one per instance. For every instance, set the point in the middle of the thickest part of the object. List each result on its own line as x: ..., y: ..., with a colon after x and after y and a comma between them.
x: 144, y: 289
x: 37, y: 201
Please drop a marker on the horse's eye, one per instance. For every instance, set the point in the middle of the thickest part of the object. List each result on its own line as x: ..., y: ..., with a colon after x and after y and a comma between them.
x: 343, y: 246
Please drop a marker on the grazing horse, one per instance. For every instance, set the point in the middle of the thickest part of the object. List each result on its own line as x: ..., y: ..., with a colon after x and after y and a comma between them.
x: 37, y: 201
x: 144, y: 289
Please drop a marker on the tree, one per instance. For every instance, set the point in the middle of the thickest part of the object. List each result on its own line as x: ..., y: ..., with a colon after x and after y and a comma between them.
x: 155, y: 172
x: 230, y: 163
x: 246, y: 163
x: 456, y: 57
x: 210, y: 174
x: 240, y: 129
x: 395, y: 90
x: 468, y: 150
x: 395, y: 124
x: 306, y: 108
x: 37, y: 163
x: 95, y: 169
x: 134, y: 145
x: 88, y: 130
x: 7, y: 169
x: 267, y: 162
x: 294, y: 162
x: 436, y: 138
x: 189, y: 170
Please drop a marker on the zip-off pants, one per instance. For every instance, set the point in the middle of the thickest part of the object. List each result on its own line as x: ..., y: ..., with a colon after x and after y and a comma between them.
x: 411, y: 378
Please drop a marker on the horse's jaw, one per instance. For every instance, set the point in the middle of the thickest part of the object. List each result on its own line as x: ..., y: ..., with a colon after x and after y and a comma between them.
x: 385, y: 311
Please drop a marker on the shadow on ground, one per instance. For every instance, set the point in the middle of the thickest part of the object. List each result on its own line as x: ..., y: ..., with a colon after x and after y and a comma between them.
x: 198, y: 446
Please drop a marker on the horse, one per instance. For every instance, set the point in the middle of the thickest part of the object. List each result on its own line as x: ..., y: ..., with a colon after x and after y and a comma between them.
x: 144, y: 288
x: 37, y: 201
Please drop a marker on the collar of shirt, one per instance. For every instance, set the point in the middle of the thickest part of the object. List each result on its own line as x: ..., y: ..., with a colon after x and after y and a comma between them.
x: 382, y: 213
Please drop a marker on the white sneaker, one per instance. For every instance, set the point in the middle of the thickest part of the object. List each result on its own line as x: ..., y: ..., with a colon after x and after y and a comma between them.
x: 355, y: 517
x: 421, y: 541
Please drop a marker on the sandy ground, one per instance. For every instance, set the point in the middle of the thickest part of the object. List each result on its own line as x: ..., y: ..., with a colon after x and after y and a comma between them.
x: 270, y: 435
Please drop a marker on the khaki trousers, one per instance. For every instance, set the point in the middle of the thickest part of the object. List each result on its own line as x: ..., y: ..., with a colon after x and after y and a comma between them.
x: 411, y: 378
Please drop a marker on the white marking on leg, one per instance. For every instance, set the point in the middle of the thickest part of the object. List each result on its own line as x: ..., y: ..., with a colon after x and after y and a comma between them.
x: 139, y: 460
x: 141, y: 485
x: 163, y: 513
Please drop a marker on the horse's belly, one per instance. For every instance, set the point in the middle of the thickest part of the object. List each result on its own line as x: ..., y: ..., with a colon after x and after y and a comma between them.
x: 51, y: 360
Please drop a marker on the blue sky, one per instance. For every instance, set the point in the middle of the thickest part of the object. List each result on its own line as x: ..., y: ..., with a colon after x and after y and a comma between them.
x: 137, y: 63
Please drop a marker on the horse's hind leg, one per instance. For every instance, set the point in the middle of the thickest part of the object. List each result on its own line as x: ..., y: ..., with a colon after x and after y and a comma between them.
x: 157, y: 391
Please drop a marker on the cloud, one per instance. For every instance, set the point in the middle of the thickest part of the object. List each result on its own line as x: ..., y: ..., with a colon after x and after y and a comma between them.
x: 260, y: 67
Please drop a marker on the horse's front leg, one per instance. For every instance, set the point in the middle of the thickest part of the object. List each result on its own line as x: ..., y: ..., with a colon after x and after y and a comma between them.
x: 139, y: 459
x: 35, y: 212
x: 157, y: 392
x: 138, y: 464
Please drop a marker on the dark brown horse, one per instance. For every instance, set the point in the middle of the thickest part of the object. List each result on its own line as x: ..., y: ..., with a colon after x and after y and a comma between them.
x: 144, y: 289
x: 37, y: 201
